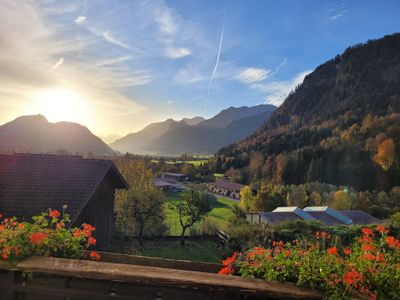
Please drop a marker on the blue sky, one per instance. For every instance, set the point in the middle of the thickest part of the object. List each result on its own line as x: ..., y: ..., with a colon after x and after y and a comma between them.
x: 116, y: 66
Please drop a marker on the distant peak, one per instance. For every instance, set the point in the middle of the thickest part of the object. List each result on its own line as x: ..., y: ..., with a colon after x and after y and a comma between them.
x: 31, y: 118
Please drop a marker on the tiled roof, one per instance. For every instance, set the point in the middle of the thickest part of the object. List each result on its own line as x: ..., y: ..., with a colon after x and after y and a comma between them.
x: 158, y: 182
x: 276, y: 217
x: 230, y: 186
x: 325, y: 218
x: 31, y: 183
x: 359, y: 217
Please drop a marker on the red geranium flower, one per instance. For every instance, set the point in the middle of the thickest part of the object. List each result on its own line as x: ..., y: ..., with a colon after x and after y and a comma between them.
x: 351, y: 278
x: 54, y: 214
x: 94, y: 255
x: 37, y: 238
x: 332, y: 251
x: 92, y: 241
x: 347, y: 251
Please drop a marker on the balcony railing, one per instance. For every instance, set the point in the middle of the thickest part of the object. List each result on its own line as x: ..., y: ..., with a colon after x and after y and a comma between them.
x: 133, y: 277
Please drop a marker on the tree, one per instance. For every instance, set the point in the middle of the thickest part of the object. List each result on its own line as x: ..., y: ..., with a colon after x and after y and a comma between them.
x: 246, y: 198
x: 267, y: 199
x: 142, y: 202
x: 343, y: 200
x: 192, y: 209
x: 386, y: 154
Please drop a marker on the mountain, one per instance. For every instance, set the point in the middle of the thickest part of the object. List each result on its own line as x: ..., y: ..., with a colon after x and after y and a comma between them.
x: 34, y: 134
x: 195, y: 136
x: 193, y: 121
x: 225, y: 117
x: 340, y: 126
x: 110, y: 138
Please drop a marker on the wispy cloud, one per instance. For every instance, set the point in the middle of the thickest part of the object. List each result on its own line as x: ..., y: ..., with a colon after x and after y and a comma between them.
x: 80, y: 19
x: 57, y: 64
x: 338, y: 15
x: 218, y: 56
x: 251, y: 75
x: 108, y: 36
x: 177, y: 52
x: 277, y: 91
x: 113, y: 61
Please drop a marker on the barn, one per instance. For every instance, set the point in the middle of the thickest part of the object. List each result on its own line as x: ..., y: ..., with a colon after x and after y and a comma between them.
x: 33, y: 183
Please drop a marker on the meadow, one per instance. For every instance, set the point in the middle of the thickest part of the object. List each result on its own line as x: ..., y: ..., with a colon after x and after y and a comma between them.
x: 218, y: 216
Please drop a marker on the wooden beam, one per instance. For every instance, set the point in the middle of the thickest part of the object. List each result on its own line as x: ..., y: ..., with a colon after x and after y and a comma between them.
x: 162, y: 277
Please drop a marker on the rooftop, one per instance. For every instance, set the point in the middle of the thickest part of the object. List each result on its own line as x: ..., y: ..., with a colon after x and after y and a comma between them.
x: 33, y: 183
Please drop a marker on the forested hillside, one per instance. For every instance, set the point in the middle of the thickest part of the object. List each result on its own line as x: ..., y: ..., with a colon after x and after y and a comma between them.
x: 340, y: 126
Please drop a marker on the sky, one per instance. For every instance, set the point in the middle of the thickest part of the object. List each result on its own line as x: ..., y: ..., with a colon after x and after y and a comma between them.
x: 117, y: 65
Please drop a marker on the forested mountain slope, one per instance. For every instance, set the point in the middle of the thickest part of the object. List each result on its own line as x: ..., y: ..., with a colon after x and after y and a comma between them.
x: 340, y: 126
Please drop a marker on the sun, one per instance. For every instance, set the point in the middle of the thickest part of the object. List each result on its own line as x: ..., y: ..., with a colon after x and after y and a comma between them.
x: 60, y: 105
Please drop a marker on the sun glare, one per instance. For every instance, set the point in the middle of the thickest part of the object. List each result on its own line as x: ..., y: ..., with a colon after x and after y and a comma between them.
x: 61, y: 105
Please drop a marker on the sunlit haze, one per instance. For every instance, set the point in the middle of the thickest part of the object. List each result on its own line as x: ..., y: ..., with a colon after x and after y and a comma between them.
x: 116, y: 66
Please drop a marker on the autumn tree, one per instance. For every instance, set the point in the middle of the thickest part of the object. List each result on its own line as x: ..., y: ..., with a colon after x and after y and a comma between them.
x: 343, y: 199
x: 246, y: 198
x: 142, y: 202
x: 196, y: 204
x: 267, y: 199
x: 386, y: 155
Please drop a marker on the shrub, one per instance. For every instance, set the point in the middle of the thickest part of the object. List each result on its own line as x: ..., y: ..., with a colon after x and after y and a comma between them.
x: 47, y: 235
x: 371, y: 266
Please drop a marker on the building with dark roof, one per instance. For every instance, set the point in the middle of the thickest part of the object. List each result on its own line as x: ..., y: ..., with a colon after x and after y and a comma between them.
x: 323, y: 214
x: 33, y: 183
x: 226, y: 188
x: 174, y: 177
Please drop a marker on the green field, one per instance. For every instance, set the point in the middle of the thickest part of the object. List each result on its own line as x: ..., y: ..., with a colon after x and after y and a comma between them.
x: 196, y: 250
x: 195, y: 163
x: 219, y: 215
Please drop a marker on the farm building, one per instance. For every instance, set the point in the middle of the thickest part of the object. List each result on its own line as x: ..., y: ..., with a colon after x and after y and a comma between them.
x: 174, y: 177
x: 225, y: 188
x: 34, y: 183
x: 326, y: 215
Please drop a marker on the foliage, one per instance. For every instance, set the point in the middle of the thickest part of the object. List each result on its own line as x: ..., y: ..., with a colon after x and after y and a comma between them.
x: 370, y: 267
x: 340, y: 126
x: 246, y: 198
x: 47, y: 235
x: 386, y: 155
x: 142, y: 204
x: 196, y: 204
x: 395, y: 219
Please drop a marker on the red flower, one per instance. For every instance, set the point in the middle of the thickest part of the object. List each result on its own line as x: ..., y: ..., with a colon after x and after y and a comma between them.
x: 54, y: 214
x: 94, y: 255
x: 367, y: 231
x: 381, y: 229
x: 393, y: 242
x: 37, y: 238
x: 60, y: 225
x: 368, y: 256
x: 21, y: 226
x: 332, y: 251
x: 226, y: 271
x: 368, y: 247
x: 351, y: 278
x: 92, y: 241
x: 347, y: 251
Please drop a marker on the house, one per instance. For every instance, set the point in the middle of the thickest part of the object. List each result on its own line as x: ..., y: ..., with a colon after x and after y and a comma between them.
x: 225, y: 188
x: 174, y: 177
x: 324, y: 214
x: 33, y: 183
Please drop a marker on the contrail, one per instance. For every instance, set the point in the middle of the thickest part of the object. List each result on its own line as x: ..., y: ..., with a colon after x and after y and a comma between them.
x: 218, y: 55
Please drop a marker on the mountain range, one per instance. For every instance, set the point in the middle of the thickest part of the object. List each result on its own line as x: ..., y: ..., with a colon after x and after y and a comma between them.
x: 196, y: 135
x: 340, y: 126
x: 34, y: 134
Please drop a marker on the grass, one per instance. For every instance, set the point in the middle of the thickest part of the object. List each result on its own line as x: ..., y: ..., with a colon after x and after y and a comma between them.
x: 219, y: 215
x: 205, y: 250
x: 195, y: 163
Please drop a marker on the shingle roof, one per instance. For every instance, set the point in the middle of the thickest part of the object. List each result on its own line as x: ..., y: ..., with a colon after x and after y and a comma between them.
x: 360, y: 217
x: 230, y: 186
x: 276, y: 217
x: 32, y: 183
x: 325, y: 218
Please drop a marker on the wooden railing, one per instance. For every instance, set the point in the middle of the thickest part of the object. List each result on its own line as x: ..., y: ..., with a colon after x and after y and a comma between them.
x: 40, y: 278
